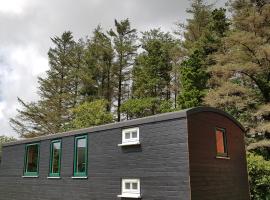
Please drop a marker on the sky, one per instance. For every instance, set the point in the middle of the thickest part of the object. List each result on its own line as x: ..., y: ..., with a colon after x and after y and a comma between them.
x: 26, y: 27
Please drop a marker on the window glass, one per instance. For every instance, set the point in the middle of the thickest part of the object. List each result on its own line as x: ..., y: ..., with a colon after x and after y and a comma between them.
x: 134, y: 186
x: 221, y: 142
x: 32, y: 159
x: 80, y: 167
x: 134, y: 134
x: 127, y: 185
x: 55, y: 159
x: 127, y: 135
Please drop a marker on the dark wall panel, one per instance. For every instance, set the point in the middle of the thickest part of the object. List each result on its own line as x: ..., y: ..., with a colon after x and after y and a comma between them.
x: 214, y: 178
x: 161, y: 162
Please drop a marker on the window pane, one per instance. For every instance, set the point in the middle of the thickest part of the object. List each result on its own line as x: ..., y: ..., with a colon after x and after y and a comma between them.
x: 127, y: 135
x: 56, y: 150
x: 134, y: 186
x: 220, y: 143
x: 32, y: 158
x: 81, y: 155
x: 134, y: 134
x: 127, y: 186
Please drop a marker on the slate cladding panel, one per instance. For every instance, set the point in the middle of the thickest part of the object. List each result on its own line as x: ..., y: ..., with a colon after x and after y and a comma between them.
x: 161, y: 162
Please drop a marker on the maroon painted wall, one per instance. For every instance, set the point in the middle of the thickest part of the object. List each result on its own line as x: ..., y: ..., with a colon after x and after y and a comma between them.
x: 214, y: 178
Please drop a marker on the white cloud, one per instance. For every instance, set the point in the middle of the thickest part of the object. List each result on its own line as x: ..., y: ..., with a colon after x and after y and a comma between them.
x: 18, y: 78
x: 13, y: 6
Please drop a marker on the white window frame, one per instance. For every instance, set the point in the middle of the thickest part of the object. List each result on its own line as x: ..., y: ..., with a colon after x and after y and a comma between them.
x: 131, y: 193
x: 130, y: 141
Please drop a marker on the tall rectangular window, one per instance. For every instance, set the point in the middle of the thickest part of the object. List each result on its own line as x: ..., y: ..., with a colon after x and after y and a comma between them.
x: 31, y: 160
x: 80, y: 157
x: 221, y: 142
x: 55, y: 158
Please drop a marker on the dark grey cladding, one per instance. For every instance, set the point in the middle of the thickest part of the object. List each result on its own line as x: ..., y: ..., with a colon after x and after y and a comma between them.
x: 161, y: 163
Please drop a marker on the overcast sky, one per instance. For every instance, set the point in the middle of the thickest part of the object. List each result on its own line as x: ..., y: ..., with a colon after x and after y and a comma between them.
x: 27, y: 25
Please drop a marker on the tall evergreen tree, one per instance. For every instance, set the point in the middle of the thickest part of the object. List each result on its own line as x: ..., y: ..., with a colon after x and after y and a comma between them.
x: 97, y: 74
x: 124, y: 43
x: 193, y: 71
x: 195, y: 27
x: 51, y: 113
x: 152, y: 74
x: 243, y: 63
x: 78, y: 63
x: 193, y: 78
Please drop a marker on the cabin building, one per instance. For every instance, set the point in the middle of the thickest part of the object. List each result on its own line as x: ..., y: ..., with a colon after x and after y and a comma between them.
x: 194, y: 154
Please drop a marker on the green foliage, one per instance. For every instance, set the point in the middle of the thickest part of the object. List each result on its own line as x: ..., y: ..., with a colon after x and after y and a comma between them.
x: 242, y: 61
x: 124, y: 42
x: 193, y: 79
x: 151, y: 74
x: 196, y: 25
x: 193, y: 70
x: 136, y: 108
x: 97, y: 73
x: 234, y: 99
x: 3, y: 140
x: 259, y: 177
x: 91, y: 114
x: 58, y: 92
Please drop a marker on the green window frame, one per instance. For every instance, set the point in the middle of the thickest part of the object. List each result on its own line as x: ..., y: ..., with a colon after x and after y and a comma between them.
x: 52, y: 173
x: 28, y: 172
x: 224, y: 142
x: 77, y: 170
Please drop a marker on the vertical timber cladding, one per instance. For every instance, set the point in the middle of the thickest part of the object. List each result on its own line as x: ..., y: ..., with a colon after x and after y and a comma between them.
x: 161, y: 162
x: 216, y: 178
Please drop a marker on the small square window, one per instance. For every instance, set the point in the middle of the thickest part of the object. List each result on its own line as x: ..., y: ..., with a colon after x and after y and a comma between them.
x: 130, y: 136
x: 221, y: 142
x: 130, y: 188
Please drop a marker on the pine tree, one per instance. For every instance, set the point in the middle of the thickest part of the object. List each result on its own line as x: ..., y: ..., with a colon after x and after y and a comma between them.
x: 97, y: 75
x: 58, y: 92
x: 243, y: 61
x: 193, y: 71
x: 193, y: 81
x: 78, y: 63
x: 124, y: 43
x: 195, y: 27
x: 152, y: 74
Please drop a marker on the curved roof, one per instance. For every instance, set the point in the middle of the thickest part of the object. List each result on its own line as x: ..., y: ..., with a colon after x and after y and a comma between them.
x: 144, y: 120
x: 215, y: 110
